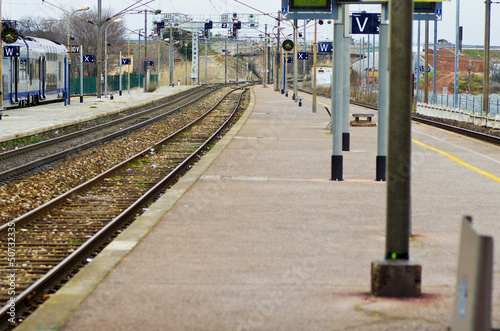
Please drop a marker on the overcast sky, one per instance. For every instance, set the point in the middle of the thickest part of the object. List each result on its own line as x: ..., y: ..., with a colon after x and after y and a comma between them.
x: 472, y: 13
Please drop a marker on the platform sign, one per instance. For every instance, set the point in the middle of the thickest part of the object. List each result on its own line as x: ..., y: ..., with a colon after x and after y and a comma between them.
x: 325, y: 47
x: 365, y: 23
x: 89, y: 58
x: 126, y: 61
x: 302, y: 55
x: 289, y: 59
x: 423, y: 10
x: 472, y: 306
x: 309, y: 9
x: 11, y: 51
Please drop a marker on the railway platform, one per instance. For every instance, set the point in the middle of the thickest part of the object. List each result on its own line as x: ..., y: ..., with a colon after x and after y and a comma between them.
x: 256, y: 236
x: 18, y: 122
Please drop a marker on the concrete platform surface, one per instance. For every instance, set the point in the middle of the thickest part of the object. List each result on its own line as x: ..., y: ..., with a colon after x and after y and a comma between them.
x: 256, y: 236
x: 19, y: 122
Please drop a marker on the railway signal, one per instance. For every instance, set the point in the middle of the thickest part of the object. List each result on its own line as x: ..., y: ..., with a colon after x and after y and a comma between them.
x: 236, y: 27
x: 208, y: 26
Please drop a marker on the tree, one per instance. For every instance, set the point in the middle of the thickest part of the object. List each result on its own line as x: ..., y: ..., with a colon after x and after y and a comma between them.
x: 469, y: 77
x: 83, y: 31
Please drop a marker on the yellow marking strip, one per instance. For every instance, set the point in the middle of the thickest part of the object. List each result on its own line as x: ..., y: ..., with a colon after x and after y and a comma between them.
x: 457, y: 160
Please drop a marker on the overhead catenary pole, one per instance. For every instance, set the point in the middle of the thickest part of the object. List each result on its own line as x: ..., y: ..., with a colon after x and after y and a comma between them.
x: 304, y: 62
x: 99, y: 48
x: 139, y: 62
x: 206, y: 61
x: 457, y: 41
x: 225, y: 60
x: 434, y: 64
x: 315, y: 66
x: 486, y: 73
x: 171, y: 48
x: 264, y: 49
x: 277, y: 61
x: 426, y: 65
x: 146, y: 68
x: 81, y: 72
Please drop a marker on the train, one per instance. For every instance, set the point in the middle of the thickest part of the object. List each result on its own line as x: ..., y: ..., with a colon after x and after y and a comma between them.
x: 32, y: 71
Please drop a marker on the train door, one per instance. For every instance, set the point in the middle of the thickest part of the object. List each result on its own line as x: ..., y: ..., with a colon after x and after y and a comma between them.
x: 15, y: 79
x: 43, y: 71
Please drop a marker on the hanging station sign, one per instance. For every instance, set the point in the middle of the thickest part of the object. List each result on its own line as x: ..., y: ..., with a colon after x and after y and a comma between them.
x: 309, y: 9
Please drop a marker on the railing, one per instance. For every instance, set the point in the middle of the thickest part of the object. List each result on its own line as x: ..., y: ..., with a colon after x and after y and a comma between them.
x: 465, y: 101
x: 90, y: 87
x: 458, y: 114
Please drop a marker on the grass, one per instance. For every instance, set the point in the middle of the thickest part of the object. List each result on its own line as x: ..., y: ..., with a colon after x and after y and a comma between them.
x: 22, y: 141
x: 74, y: 241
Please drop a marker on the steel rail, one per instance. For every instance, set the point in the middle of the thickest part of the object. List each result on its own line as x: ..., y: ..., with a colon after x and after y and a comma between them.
x: 25, y: 149
x: 41, y: 286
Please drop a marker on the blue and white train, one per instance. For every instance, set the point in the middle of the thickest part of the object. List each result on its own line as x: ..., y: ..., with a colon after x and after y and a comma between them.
x: 32, y: 71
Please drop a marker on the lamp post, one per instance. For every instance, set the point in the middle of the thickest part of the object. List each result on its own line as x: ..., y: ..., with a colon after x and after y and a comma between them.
x: 106, y: 56
x: 68, y: 74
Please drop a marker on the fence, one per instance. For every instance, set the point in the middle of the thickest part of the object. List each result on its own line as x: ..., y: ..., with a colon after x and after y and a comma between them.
x: 90, y: 83
x: 465, y: 101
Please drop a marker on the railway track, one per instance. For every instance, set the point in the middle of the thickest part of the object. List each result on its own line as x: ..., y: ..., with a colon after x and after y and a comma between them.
x: 17, y: 162
x: 44, y: 245
x: 473, y: 133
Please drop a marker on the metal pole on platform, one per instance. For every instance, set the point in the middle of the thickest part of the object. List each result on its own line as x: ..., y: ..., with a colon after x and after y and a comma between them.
x: 304, y: 62
x: 120, y: 83
x: 396, y: 275
x: 457, y: 42
x: 337, y: 95
x: 383, y: 95
x: 486, y: 73
x: 315, y: 66
x: 277, y: 60
x: 346, y: 54
x: 418, y: 63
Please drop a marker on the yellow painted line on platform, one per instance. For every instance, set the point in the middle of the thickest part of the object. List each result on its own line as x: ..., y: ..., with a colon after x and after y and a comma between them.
x: 457, y: 160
